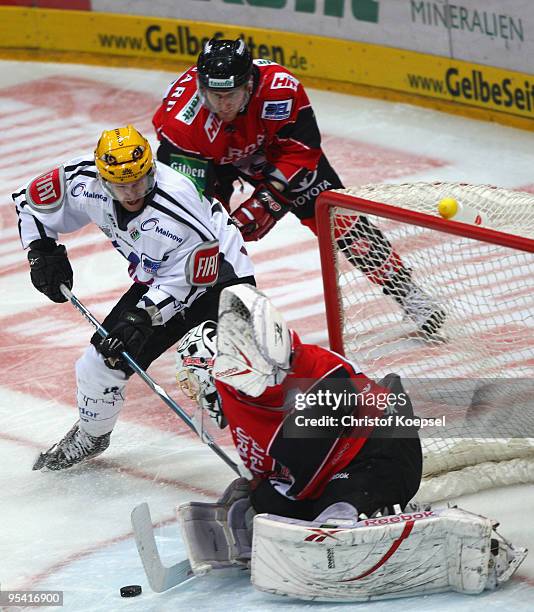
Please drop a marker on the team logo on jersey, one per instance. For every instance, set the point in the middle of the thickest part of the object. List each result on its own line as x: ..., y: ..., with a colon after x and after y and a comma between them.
x: 77, y: 190
x: 212, y: 126
x: 202, y: 267
x: 46, y: 192
x: 278, y: 110
x: 283, y: 80
x: 190, y: 110
x: 150, y: 265
x: 134, y: 234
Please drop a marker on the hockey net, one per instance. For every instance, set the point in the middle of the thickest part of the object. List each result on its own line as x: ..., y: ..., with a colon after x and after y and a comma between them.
x: 478, y: 370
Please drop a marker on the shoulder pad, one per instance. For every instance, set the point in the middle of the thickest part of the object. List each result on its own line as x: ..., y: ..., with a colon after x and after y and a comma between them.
x: 46, y: 193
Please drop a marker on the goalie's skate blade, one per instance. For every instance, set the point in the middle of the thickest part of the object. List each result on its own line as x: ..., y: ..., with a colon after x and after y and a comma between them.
x: 160, y: 578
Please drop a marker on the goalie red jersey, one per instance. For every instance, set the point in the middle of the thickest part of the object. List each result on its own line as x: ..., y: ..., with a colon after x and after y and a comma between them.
x: 277, y: 129
x: 283, y: 427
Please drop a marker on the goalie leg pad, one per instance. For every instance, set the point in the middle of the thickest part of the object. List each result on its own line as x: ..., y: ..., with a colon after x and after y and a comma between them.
x: 380, y: 558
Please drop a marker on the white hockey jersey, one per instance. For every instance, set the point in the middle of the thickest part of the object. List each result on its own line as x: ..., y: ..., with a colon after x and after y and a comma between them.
x: 179, y: 244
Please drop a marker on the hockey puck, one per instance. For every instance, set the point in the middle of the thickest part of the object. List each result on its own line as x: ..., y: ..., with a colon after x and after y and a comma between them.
x: 132, y: 590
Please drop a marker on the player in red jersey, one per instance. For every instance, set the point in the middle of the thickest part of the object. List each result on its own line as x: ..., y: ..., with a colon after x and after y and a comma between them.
x: 335, y: 462
x: 231, y: 118
x: 310, y: 427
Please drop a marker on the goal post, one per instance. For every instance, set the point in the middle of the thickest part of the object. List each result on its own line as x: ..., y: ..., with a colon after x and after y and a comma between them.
x: 478, y: 370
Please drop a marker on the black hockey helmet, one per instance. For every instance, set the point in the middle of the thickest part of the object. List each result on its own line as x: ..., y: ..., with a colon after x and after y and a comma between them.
x: 224, y: 64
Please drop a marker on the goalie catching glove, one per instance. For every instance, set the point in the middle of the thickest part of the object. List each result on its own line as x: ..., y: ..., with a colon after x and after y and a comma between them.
x: 49, y: 268
x: 260, y: 212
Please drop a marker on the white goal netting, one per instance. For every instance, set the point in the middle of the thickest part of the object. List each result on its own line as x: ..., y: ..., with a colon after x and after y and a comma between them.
x: 478, y: 370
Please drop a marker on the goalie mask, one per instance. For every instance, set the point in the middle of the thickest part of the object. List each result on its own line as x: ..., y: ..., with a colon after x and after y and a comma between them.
x: 253, y: 341
x: 194, y: 363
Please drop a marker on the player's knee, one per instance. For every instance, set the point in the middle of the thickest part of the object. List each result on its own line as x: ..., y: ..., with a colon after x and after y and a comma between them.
x: 91, y: 366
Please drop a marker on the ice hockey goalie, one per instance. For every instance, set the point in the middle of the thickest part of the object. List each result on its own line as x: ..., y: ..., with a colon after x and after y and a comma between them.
x: 356, y: 537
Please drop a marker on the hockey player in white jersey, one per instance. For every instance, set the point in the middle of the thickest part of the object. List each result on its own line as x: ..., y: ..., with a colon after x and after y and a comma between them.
x: 182, y: 250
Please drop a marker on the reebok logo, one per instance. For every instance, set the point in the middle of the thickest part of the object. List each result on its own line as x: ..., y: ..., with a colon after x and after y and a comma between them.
x: 344, y: 475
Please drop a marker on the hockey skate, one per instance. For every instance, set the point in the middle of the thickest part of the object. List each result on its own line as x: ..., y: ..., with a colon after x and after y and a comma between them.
x: 417, y: 305
x: 75, y: 447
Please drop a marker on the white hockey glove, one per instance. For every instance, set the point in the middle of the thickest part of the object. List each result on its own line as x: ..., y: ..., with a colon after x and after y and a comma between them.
x: 195, y: 353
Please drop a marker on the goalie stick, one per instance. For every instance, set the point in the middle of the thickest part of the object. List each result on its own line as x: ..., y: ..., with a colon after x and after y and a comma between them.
x: 160, y: 577
x: 240, y: 469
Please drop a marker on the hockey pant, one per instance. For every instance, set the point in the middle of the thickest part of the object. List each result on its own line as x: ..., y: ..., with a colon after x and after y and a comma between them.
x: 385, y: 473
x: 101, y: 390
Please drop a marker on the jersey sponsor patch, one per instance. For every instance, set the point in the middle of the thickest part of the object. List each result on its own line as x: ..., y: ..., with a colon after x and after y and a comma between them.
x: 282, y: 80
x: 47, y: 192
x: 212, y: 126
x: 195, y: 169
x: 153, y: 224
x: 278, y: 110
x: 202, y: 267
x: 190, y: 110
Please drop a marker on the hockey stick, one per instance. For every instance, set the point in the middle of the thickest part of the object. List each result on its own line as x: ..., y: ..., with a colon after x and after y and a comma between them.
x: 160, y: 577
x: 240, y: 470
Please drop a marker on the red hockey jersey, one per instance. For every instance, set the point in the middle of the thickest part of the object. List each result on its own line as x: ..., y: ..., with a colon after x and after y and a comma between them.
x: 264, y: 431
x: 277, y: 126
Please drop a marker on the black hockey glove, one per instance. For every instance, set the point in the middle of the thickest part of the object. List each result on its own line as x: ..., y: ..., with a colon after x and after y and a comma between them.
x: 49, y: 268
x: 130, y: 334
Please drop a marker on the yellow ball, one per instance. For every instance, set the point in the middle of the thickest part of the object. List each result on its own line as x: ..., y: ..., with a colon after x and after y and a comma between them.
x: 448, y: 207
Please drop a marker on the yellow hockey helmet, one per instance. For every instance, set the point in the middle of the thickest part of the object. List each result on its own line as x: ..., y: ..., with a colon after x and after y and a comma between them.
x: 123, y: 155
